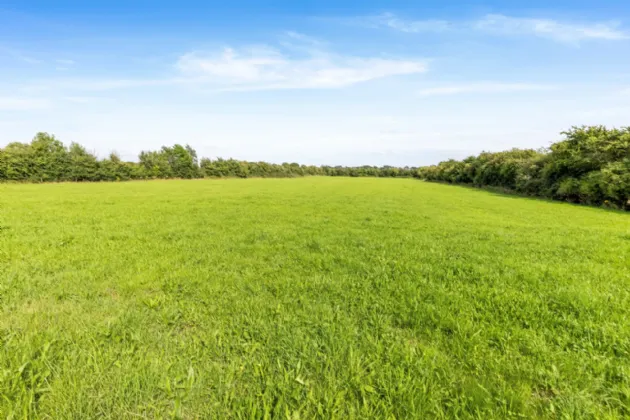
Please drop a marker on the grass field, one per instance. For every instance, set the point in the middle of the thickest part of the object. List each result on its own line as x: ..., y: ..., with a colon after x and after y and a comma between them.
x: 309, y: 298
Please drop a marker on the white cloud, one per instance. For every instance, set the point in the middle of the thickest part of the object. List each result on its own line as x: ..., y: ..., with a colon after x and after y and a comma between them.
x: 65, y: 62
x: 412, y: 26
x: 548, y: 28
x: 301, y: 62
x: 484, y: 87
x: 29, y: 60
x: 499, y: 24
x: 303, y: 39
x: 267, y: 68
x: 10, y: 103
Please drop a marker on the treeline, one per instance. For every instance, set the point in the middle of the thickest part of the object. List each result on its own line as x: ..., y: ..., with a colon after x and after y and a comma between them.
x: 46, y: 159
x: 591, y: 165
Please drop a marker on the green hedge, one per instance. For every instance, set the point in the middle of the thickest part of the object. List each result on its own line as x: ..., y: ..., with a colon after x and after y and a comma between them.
x: 46, y: 159
x: 591, y: 165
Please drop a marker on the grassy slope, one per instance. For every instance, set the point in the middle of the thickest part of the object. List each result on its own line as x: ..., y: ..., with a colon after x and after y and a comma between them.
x: 318, y: 296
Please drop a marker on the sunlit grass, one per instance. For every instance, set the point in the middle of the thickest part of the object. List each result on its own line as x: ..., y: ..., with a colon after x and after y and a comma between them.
x: 314, y: 297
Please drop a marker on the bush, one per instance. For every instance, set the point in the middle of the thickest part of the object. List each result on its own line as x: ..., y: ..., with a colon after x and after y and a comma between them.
x: 590, y: 165
x: 47, y: 159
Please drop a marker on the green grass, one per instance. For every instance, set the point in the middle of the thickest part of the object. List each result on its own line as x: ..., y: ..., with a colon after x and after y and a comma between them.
x: 309, y: 298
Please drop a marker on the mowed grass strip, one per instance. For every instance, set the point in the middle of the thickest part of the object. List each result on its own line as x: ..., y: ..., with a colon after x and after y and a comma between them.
x: 309, y: 298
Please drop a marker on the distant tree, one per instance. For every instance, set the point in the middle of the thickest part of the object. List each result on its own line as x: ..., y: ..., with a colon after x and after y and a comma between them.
x: 49, y: 159
x: 83, y: 166
x: 19, y: 162
x: 591, y: 165
x: 156, y: 164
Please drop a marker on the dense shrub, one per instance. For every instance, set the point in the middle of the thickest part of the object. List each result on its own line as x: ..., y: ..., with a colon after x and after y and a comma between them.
x: 590, y: 165
x: 46, y: 159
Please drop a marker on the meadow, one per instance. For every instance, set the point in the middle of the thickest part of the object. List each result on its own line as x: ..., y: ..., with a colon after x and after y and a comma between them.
x: 316, y: 297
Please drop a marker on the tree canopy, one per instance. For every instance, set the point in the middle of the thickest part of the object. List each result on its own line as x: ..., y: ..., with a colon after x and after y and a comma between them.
x: 591, y: 165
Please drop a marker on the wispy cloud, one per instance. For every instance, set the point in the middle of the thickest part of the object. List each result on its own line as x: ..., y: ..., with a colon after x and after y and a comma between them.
x: 498, y: 24
x: 552, y: 29
x: 64, y: 64
x: 389, y: 20
x: 483, y: 87
x: 299, y: 62
x: 264, y: 68
x: 239, y: 70
x: 29, y: 60
x: 18, y: 55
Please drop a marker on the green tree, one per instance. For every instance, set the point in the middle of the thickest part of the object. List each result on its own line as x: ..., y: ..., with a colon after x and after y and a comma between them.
x: 83, y: 166
x: 49, y: 159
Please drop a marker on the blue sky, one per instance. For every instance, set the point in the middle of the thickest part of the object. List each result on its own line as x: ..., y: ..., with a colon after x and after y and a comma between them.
x: 323, y: 82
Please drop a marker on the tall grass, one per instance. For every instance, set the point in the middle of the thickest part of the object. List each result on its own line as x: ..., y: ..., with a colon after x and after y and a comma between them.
x: 309, y: 298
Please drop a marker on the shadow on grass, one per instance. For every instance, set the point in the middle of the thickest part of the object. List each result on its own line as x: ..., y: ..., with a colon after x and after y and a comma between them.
x: 506, y: 193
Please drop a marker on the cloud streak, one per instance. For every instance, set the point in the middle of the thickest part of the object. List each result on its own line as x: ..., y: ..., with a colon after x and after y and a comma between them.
x: 300, y: 63
x: 502, y: 25
x: 390, y: 20
x: 267, y: 68
x: 548, y: 28
x: 18, y: 55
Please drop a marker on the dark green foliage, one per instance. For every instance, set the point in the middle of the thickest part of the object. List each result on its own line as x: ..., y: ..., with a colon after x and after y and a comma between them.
x: 181, y: 161
x: 591, y: 165
x: 226, y: 167
x: 371, y: 171
x: 16, y: 161
x: 49, y: 160
x: 156, y: 165
x: 114, y: 169
x: 83, y: 166
x: 241, y: 169
x: 46, y: 159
